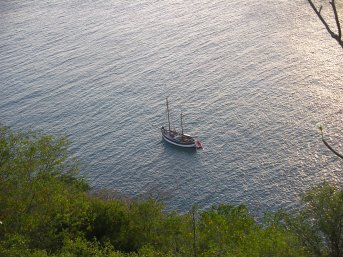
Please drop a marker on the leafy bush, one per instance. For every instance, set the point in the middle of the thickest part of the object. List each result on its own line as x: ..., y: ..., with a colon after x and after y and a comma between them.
x: 319, y: 223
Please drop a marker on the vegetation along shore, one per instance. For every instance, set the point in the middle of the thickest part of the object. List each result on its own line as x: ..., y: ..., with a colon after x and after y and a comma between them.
x: 47, y: 210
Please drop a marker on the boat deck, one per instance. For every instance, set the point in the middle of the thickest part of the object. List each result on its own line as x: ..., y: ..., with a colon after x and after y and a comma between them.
x: 177, y: 138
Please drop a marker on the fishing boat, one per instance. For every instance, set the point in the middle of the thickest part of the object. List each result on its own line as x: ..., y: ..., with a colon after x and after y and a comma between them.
x: 179, y: 138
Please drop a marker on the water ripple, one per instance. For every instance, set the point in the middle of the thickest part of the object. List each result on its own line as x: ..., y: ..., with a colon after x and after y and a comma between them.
x: 252, y: 80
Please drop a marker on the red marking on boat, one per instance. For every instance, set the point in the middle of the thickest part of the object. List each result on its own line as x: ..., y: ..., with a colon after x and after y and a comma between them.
x: 198, y: 144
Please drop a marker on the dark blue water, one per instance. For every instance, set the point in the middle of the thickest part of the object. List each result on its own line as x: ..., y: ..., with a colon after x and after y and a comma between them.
x: 254, y: 79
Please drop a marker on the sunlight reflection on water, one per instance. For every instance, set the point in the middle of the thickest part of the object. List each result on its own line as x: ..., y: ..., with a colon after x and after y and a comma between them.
x: 254, y: 78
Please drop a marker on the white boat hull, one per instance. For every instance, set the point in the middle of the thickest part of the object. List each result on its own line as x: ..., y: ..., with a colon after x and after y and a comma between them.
x: 178, y: 139
x: 181, y: 145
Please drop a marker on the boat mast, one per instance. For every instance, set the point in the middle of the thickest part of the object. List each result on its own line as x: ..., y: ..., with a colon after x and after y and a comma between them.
x: 181, y: 125
x: 168, y: 113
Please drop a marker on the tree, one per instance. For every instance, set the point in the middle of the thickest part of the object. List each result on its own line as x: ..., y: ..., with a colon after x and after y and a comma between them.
x: 39, y: 197
x: 338, y: 35
x: 227, y: 230
x: 319, y: 224
x: 45, y: 210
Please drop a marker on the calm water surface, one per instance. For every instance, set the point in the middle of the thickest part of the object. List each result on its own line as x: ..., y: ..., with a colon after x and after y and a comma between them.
x: 254, y: 78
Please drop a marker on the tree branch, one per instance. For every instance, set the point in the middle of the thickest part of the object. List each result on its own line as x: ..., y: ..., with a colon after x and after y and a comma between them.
x: 321, y: 18
x: 328, y: 146
x: 331, y: 149
x: 336, y: 19
x: 335, y: 36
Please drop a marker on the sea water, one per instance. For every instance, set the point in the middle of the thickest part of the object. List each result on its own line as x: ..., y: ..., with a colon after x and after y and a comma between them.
x: 253, y: 78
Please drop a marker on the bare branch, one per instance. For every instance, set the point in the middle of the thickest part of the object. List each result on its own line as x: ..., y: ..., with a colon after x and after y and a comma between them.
x: 327, y: 145
x: 336, y: 19
x: 335, y: 36
x: 320, y: 17
x: 331, y: 149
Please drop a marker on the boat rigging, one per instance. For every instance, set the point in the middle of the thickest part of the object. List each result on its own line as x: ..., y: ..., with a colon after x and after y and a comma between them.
x: 179, y: 138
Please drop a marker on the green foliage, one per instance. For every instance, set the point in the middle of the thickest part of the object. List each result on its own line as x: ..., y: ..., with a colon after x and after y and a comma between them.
x: 231, y: 231
x: 131, y: 226
x: 224, y: 229
x: 144, y: 224
x: 319, y: 224
x: 17, y: 246
x: 277, y: 240
x: 81, y: 247
x: 110, y: 222
x: 46, y: 210
x: 37, y: 197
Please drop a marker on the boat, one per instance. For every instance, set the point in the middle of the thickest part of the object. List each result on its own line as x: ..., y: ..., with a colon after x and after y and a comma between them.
x: 179, y: 138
